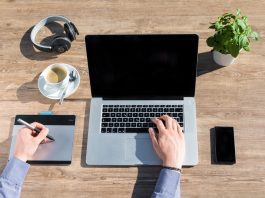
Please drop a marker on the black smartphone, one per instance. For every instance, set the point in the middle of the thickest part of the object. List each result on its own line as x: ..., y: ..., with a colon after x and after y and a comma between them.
x: 224, y: 144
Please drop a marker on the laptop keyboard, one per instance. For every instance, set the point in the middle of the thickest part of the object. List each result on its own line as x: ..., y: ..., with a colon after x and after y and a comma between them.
x: 136, y: 118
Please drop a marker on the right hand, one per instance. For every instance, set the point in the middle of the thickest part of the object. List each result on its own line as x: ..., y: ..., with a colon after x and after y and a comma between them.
x: 169, y: 143
x: 27, y: 141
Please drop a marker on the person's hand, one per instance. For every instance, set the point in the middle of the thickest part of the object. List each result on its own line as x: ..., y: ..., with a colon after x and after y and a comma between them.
x: 169, y: 143
x: 27, y: 141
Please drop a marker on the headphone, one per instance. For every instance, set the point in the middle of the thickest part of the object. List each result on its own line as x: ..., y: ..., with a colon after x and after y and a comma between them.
x: 59, y: 44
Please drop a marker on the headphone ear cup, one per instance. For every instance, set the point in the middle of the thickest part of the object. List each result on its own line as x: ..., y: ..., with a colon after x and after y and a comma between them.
x: 70, y: 32
x: 61, y: 44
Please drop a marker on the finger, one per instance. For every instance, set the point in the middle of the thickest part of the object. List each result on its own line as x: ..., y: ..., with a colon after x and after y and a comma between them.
x: 159, y: 124
x: 38, y: 125
x: 153, y: 136
x: 42, y: 135
x: 34, y: 133
x: 46, y: 140
x: 25, y: 130
x: 168, y: 121
x: 154, y: 141
x: 174, y: 125
x: 179, y: 129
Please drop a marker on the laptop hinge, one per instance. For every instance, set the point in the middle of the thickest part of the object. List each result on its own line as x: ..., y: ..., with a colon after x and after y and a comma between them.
x: 144, y: 98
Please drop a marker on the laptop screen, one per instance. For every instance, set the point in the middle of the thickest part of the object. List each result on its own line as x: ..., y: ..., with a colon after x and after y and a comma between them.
x: 142, y: 66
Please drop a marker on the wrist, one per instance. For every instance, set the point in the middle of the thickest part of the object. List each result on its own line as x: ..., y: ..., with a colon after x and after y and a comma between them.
x: 172, y: 168
x: 20, y: 157
x: 172, y: 163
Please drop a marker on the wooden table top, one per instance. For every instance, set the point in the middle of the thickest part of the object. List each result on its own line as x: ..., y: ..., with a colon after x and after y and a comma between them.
x: 233, y: 95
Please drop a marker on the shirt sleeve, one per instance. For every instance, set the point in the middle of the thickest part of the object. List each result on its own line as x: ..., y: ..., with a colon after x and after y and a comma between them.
x: 168, y: 184
x: 12, y: 178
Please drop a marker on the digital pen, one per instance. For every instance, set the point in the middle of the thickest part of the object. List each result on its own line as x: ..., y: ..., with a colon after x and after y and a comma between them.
x: 37, y: 130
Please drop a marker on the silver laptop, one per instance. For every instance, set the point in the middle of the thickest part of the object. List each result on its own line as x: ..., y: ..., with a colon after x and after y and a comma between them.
x: 134, y: 78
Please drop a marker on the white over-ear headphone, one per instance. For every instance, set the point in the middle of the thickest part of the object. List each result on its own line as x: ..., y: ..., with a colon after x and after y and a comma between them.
x: 59, y: 44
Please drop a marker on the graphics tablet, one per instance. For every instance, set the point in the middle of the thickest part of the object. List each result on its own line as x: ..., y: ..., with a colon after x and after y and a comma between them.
x: 61, y: 127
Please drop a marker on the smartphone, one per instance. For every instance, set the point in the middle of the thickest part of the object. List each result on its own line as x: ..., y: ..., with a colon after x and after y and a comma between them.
x: 224, y: 144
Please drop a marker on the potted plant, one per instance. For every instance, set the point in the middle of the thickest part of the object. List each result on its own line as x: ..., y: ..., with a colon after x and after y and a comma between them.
x: 232, y: 34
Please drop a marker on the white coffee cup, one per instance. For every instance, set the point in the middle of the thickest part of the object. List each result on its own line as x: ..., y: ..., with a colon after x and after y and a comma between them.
x: 56, y: 77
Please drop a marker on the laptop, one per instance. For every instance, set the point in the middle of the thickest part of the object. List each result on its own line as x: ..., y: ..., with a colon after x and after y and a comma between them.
x: 134, y: 78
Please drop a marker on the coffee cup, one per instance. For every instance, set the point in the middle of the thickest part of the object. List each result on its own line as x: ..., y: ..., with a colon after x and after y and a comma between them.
x: 56, y: 77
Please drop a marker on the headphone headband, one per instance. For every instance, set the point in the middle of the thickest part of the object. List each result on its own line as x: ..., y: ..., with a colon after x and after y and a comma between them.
x: 42, y: 23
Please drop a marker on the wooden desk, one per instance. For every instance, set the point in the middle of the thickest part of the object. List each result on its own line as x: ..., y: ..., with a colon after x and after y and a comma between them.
x: 233, y: 95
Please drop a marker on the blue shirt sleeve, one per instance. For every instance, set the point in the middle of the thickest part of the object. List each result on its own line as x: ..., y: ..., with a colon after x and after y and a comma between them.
x: 12, y: 178
x: 168, y: 184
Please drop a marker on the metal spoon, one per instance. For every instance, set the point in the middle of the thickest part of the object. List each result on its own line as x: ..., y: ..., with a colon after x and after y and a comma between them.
x: 72, y: 78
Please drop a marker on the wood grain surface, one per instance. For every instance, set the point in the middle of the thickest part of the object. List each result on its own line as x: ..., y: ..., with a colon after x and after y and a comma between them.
x: 233, y: 95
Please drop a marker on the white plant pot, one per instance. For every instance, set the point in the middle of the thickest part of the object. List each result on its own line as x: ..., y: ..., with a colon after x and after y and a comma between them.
x: 223, y: 59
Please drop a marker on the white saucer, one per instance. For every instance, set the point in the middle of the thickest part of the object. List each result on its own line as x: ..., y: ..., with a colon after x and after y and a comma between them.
x: 72, y: 87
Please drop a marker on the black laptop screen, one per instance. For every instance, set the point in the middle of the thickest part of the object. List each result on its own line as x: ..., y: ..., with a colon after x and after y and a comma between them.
x: 142, y: 66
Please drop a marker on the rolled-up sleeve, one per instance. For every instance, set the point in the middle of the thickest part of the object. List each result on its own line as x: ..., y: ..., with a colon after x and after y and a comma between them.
x: 168, y: 184
x: 12, y: 178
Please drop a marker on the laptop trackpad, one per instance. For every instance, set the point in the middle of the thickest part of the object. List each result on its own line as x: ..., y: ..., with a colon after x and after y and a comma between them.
x: 140, y: 150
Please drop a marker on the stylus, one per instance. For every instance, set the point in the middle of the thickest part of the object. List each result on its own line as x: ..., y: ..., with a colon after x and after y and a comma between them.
x: 37, y: 130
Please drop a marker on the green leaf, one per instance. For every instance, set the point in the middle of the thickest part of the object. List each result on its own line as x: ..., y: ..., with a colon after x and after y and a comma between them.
x: 210, y: 41
x: 217, y: 26
x: 235, y: 53
x: 233, y: 50
x: 243, y: 41
x: 241, y: 24
x: 212, y: 26
x: 234, y: 28
x: 226, y: 14
x: 248, y: 30
x: 254, y: 35
x: 238, y: 12
x: 247, y: 48
x: 245, y: 19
